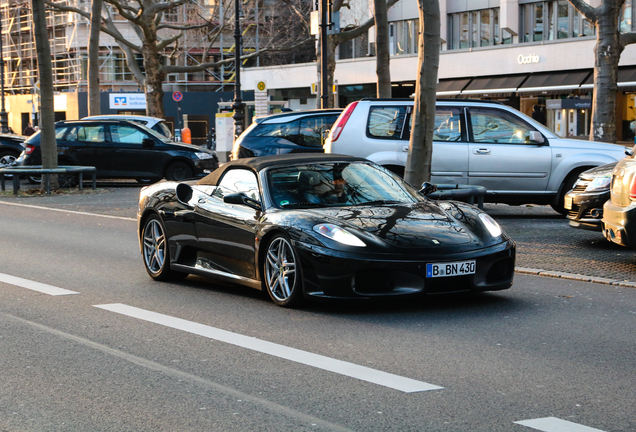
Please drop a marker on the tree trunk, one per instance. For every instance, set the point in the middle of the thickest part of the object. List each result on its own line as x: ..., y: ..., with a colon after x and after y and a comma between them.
x: 382, y: 65
x: 418, y: 162
x: 607, y: 54
x: 48, y: 145
x: 155, y: 76
x: 93, y: 59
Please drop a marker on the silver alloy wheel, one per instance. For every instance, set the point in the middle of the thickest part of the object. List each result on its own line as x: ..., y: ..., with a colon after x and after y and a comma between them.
x: 280, y: 269
x: 154, y: 246
x: 7, y: 160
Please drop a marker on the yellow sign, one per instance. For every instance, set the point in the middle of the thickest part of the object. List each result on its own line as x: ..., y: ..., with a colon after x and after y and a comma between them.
x: 261, y: 86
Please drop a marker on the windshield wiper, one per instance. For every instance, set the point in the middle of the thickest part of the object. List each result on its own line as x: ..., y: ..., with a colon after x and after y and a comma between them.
x: 302, y: 205
x: 378, y: 202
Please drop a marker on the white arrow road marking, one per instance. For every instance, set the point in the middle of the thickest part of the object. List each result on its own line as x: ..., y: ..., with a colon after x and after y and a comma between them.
x: 35, y: 286
x: 385, y: 379
x: 553, y: 424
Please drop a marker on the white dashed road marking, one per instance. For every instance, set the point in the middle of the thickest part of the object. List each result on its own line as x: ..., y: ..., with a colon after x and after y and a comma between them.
x: 35, y: 286
x: 385, y: 379
x: 553, y: 424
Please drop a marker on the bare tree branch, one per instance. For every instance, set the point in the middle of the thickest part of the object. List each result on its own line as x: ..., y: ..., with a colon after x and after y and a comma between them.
x: 588, y: 11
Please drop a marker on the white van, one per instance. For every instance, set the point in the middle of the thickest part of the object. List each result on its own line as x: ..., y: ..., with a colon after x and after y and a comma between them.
x: 154, y: 123
x: 483, y: 143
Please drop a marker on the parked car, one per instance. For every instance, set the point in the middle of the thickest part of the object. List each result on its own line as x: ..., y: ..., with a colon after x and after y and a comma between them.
x: 319, y: 226
x: 584, y: 202
x: 619, y: 212
x: 154, y: 123
x: 122, y: 149
x: 483, y: 143
x: 10, y: 148
x: 289, y: 132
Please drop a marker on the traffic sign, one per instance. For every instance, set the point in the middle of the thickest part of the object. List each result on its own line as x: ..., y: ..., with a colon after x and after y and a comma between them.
x: 177, y: 96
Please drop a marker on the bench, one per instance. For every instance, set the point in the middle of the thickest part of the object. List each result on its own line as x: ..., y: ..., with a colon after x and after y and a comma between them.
x: 17, y: 171
x: 460, y: 193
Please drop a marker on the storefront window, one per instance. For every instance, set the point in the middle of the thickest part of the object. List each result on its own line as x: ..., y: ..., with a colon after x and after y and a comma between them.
x: 551, y: 20
x: 473, y: 29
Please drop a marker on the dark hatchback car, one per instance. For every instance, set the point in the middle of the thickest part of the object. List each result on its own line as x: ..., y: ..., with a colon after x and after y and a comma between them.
x: 123, y: 149
x: 290, y: 132
x: 10, y: 148
x: 584, y: 202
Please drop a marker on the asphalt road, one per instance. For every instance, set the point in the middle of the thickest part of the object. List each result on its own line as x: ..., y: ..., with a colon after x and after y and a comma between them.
x: 121, y: 352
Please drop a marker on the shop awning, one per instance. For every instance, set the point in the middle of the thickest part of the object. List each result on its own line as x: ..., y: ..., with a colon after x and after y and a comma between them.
x: 551, y: 81
x: 503, y: 84
x: 626, y: 78
x: 451, y: 87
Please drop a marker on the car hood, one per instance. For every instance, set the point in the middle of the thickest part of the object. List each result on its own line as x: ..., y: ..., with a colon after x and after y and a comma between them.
x: 189, y: 147
x: 410, y: 225
x: 599, y: 171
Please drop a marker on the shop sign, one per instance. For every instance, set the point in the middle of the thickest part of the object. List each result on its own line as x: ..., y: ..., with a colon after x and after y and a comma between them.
x: 135, y: 101
x: 529, y: 59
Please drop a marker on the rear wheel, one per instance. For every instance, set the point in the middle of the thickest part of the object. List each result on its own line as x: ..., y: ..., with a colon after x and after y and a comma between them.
x: 282, y: 273
x: 179, y: 171
x: 155, y: 251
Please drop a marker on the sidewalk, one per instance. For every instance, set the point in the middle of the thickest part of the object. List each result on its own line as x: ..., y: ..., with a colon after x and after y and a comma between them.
x: 545, y: 241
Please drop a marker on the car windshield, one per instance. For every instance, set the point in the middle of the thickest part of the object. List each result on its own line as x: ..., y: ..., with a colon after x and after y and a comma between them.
x: 337, y: 184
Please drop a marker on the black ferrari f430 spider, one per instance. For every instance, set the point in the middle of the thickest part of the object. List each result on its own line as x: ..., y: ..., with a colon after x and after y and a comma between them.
x: 319, y: 226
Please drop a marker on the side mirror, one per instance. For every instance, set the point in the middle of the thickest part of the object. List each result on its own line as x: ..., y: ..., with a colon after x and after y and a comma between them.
x: 147, y: 142
x: 242, y: 199
x: 428, y: 188
x: 536, y: 137
x: 184, y: 193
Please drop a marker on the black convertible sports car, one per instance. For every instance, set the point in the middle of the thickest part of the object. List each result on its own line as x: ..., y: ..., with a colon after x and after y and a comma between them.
x: 319, y: 226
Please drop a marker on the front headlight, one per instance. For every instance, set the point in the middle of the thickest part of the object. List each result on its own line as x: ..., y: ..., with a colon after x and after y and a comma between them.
x: 491, y: 225
x: 599, y: 183
x: 338, y: 234
x: 202, y: 155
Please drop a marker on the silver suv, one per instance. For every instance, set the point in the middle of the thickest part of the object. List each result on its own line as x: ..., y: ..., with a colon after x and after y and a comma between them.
x: 483, y: 143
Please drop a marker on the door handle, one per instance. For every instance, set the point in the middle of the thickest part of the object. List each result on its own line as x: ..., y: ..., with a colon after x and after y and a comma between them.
x: 405, y: 148
x: 484, y: 151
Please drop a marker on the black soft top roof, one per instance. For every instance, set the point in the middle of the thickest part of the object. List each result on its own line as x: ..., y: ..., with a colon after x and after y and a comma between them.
x: 260, y: 163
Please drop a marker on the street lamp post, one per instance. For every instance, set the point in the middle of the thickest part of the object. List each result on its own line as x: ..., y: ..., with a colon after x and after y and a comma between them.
x: 4, y: 123
x: 238, y: 106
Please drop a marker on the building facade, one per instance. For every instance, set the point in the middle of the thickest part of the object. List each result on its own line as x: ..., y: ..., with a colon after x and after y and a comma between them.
x: 520, y: 52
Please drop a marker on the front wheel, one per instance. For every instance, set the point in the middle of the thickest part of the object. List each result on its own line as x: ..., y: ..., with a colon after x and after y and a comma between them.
x: 156, y: 253
x: 7, y: 160
x: 282, y: 273
x: 179, y: 171
x: 566, y: 187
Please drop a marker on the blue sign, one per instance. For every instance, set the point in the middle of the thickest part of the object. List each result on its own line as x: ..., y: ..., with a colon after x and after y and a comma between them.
x: 135, y: 101
x: 177, y: 96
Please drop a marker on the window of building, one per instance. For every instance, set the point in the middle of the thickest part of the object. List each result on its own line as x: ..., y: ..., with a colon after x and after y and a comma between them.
x: 626, y: 23
x: 403, y: 37
x: 551, y: 20
x: 473, y: 29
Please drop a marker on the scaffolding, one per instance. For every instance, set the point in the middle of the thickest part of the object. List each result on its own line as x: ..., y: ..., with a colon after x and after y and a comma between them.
x: 68, y: 36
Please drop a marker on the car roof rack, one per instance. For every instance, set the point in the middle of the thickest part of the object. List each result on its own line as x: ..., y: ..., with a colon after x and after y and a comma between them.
x: 438, y: 100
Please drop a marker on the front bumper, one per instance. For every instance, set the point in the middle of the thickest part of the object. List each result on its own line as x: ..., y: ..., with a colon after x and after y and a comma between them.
x: 619, y: 224
x: 330, y: 274
x: 586, y: 209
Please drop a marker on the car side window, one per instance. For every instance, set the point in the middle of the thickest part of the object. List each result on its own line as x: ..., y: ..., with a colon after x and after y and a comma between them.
x: 387, y: 122
x: 126, y: 134
x: 447, y: 124
x: 92, y: 134
x: 60, y: 131
x: 498, y: 126
x: 313, y: 128
x: 288, y: 131
x: 238, y: 180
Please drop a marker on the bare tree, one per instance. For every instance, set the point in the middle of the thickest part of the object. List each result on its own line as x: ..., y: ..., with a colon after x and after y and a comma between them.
x: 382, y: 53
x: 158, y: 40
x: 418, y: 162
x: 93, y: 58
x: 610, y: 43
x: 48, y: 144
x: 333, y: 40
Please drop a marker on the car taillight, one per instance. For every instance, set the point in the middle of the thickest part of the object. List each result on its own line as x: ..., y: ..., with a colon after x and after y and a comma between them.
x: 342, y: 120
x: 28, y: 149
x: 632, y: 189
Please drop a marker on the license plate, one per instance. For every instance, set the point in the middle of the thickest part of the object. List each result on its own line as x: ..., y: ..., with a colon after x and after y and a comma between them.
x: 450, y: 269
x: 568, y: 203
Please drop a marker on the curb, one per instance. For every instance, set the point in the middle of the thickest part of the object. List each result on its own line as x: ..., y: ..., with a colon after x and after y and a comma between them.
x: 576, y: 277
